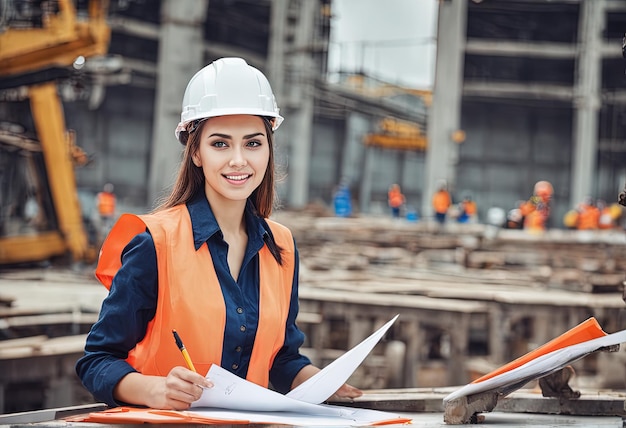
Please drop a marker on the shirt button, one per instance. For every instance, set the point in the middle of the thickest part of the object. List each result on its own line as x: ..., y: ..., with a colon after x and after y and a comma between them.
x: 238, y: 349
x: 240, y: 310
x: 235, y: 366
x: 242, y: 328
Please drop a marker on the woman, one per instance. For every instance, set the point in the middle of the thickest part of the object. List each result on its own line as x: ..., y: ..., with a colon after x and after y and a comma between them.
x: 207, y: 263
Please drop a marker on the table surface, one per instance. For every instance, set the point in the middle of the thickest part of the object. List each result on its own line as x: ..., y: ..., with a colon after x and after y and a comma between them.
x: 53, y: 418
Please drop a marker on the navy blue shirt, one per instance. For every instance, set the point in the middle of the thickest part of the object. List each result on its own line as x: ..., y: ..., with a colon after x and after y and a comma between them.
x: 131, y: 304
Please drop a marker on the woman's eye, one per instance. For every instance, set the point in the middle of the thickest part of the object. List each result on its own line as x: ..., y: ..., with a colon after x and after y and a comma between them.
x: 254, y: 143
x: 219, y: 144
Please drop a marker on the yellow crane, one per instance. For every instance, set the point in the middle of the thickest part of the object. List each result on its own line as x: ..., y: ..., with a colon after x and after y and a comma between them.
x: 25, y: 55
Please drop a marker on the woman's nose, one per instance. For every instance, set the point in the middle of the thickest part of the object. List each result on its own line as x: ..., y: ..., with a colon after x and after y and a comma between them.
x: 238, y: 159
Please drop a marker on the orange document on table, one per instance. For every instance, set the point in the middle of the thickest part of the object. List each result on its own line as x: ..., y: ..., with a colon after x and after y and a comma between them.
x: 135, y: 415
x: 587, y: 330
x: 132, y: 415
x: 582, y: 340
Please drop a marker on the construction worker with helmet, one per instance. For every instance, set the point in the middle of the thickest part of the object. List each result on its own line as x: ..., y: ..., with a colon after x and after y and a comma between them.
x: 588, y: 215
x: 441, y: 202
x: 105, y: 203
x: 207, y: 262
x: 395, y: 199
x: 536, y: 211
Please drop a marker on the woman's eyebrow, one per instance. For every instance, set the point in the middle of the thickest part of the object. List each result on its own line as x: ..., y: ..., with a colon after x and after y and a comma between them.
x: 220, y: 135
x: 229, y: 137
x: 256, y: 134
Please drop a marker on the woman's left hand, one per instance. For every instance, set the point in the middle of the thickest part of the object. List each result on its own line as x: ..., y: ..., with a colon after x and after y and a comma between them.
x: 348, y: 391
x: 345, y: 391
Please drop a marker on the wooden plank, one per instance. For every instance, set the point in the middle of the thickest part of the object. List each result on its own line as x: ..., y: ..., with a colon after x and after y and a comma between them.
x: 309, y: 318
x: 460, y: 291
x: 50, y: 347
x: 31, y: 341
x: 591, y: 403
x: 37, y: 309
x: 48, y: 319
x: 392, y: 300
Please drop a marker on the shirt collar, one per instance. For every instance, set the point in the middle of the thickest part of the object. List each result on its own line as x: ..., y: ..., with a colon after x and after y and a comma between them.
x: 204, y: 224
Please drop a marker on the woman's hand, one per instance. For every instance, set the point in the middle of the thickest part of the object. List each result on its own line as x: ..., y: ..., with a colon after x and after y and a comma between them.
x: 176, y: 391
x: 348, y: 391
x: 345, y: 391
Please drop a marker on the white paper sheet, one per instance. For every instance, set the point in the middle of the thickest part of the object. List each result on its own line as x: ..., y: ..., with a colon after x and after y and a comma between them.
x: 230, y: 392
x: 234, y: 393
x: 539, y: 367
x: 358, y: 417
x: 325, y: 383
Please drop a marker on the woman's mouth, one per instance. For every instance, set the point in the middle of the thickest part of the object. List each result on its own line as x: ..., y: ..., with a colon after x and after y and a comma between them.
x: 238, y: 177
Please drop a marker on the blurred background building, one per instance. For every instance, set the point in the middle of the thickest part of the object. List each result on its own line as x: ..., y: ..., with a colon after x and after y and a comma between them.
x: 524, y: 91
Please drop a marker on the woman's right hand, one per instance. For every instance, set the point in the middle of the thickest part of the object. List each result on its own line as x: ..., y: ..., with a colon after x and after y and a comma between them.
x: 176, y: 391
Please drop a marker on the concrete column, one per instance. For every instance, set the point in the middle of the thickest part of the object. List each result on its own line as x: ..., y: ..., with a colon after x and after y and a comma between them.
x: 365, y: 190
x: 445, y: 111
x: 180, y: 56
x: 276, y: 50
x: 353, y: 149
x: 587, y: 99
x: 302, y: 115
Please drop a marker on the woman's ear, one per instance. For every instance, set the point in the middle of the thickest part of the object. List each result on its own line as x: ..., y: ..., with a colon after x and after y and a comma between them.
x: 195, y: 158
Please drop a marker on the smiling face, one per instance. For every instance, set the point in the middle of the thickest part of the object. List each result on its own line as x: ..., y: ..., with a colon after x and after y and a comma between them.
x: 234, y: 153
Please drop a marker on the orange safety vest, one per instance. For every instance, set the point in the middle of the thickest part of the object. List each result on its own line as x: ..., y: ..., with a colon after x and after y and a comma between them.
x: 396, y: 198
x: 527, y: 207
x: 190, y: 299
x: 535, y: 220
x: 441, y: 201
x: 106, y: 203
x: 588, y: 218
x: 469, y: 207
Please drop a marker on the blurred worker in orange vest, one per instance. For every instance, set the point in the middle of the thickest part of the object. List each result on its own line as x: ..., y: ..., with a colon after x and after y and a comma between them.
x: 396, y: 199
x: 467, y: 210
x: 105, y: 202
x: 588, y: 215
x: 610, y: 215
x: 536, y: 211
x: 441, y: 202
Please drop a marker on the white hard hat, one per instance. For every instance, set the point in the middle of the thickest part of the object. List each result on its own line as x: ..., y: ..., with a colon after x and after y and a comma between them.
x: 227, y: 86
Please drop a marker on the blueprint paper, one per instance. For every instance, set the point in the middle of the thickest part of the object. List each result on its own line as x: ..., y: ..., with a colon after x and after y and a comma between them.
x: 234, y: 393
x: 230, y: 392
x: 234, y: 398
x: 360, y: 417
x: 325, y: 383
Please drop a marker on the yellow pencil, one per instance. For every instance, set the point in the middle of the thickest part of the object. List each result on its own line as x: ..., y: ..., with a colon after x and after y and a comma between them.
x: 182, y: 348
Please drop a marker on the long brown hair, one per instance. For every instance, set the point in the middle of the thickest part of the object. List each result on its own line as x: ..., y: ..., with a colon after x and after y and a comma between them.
x: 190, y: 181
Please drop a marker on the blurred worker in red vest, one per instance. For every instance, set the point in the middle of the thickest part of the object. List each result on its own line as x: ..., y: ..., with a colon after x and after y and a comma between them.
x: 441, y: 202
x: 395, y: 199
x: 105, y: 202
x: 536, y: 210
